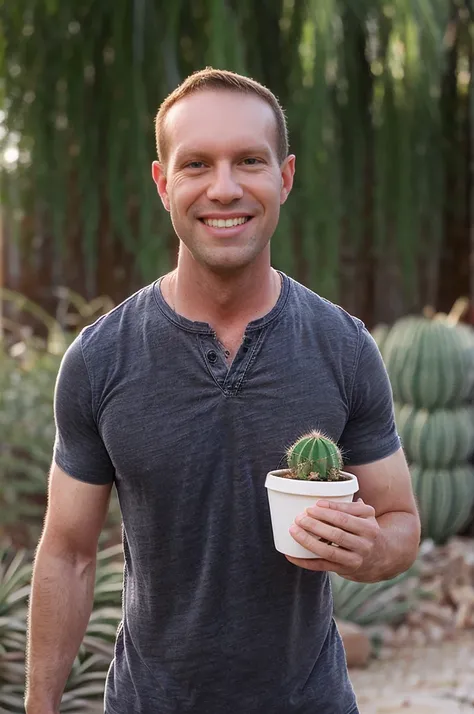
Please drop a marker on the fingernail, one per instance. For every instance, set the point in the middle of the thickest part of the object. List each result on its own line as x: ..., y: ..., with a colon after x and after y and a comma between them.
x: 323, y: 504
x: 293, y: 529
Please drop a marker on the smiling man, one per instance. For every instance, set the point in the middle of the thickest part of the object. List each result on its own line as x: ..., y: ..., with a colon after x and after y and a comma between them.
x: 223, y: 175
x: 184, y: 397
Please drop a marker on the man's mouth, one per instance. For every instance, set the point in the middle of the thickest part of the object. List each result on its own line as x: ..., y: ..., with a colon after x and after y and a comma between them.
x: 225, y: 222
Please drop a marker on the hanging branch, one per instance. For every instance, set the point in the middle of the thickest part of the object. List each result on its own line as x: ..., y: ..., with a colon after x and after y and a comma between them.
x: 83, y: 81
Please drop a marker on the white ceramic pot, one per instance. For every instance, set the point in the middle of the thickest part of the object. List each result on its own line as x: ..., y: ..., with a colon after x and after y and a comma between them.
x: 290, y: 497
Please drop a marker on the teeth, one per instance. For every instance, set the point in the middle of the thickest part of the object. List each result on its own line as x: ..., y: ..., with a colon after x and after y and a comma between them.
x: 227, y: 223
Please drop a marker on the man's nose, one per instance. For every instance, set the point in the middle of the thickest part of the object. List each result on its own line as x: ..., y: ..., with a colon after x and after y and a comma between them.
x: 224, y: 186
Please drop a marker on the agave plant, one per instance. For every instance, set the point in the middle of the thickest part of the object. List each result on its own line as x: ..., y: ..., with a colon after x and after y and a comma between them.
x: 368, y: 604
x: 15, y: 577
x: 106, y: 614
x: 84, y: 691
x: 85, y: 686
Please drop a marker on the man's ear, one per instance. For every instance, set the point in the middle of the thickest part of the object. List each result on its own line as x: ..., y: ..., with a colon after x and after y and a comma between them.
x: 287, y: 175
x: 159, y: 177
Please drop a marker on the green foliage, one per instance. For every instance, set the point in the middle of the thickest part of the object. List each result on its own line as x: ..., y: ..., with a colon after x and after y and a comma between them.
x: 27, y: 430
x: 85, y: 686
x: 315, y: 457
x: 363, y: 85
x: 28, y: 369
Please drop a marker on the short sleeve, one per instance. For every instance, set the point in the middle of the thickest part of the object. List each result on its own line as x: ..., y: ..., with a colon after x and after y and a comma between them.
x: 370, y: 433
x: 78, y: 447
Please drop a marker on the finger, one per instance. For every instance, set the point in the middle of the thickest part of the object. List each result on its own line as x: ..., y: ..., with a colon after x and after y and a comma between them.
x: 358, y: 525
x: 331, y: 533
x: 315, y: 564
x: 356, y: 508
x: 327, y: 551
x: 320, y: 565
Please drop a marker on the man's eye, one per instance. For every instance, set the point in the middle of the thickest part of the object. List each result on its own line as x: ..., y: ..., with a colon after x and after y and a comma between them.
x: 195, y: 165
x: 252, y: 161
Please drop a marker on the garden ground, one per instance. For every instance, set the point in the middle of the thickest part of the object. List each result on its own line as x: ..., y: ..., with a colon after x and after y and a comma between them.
x: 434, y: 679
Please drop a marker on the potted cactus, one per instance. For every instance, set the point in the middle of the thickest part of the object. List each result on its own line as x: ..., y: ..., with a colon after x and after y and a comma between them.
x: 314, y: 472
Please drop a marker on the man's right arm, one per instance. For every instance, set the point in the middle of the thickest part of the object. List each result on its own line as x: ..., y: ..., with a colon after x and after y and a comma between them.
x: 62, y: 586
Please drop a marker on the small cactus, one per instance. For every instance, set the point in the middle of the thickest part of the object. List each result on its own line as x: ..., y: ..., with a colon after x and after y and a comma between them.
x: 314, y: 457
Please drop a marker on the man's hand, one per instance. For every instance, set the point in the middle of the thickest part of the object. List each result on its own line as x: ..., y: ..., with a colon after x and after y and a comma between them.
x: 352, y: 531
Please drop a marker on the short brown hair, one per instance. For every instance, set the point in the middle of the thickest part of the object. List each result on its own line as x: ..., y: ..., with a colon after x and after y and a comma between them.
x: 221, y: 79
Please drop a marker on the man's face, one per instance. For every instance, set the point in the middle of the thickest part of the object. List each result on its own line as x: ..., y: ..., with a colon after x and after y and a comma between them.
x: 222, y: 165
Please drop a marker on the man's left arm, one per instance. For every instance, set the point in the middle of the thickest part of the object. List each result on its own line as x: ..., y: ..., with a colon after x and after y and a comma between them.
x: 377, y: 535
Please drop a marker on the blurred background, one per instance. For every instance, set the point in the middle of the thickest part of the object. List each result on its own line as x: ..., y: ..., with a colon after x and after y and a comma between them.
x: 379, y: 97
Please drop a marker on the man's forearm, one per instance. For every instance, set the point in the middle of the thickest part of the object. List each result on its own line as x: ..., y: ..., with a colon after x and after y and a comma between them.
x: 60, y: 608
x: 397, y: 546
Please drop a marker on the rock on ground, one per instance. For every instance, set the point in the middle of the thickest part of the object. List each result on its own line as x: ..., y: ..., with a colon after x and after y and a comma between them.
x: 356, y: 643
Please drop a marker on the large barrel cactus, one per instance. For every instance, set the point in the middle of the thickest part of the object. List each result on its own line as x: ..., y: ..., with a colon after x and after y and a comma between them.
x: 438, y: 438
x: 430, y: 362
x: 445, y: 499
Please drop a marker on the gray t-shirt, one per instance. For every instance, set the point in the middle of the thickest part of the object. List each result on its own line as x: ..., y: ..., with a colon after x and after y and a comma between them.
x: 215, y: 619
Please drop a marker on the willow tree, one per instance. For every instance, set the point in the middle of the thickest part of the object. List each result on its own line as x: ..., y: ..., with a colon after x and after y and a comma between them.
x: 369, y: 88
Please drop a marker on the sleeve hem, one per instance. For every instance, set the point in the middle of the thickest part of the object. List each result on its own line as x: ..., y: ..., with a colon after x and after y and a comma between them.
x: 77, y: 475
x: 369, y: 457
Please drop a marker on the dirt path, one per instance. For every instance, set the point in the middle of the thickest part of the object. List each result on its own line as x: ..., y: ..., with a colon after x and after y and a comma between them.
x: 438, y: 679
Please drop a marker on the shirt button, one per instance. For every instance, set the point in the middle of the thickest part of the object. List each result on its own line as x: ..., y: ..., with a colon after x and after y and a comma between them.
x: 247, y: 340
x: 212, y: 356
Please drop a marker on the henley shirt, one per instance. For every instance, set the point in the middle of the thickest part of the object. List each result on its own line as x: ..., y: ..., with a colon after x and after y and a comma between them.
x: 215, y: 620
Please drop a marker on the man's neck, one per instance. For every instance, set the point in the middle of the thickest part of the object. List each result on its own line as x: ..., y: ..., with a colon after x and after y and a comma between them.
x: 224, y: 301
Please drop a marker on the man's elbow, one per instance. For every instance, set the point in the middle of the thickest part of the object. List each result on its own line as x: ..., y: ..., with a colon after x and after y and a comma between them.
x: 416, y: 536
x: 412, y: 540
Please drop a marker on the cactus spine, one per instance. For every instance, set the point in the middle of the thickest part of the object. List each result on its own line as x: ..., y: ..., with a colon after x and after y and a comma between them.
x: 315, y: 457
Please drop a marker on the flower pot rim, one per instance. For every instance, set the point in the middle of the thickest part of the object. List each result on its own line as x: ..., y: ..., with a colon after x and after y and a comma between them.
x: 275, y: 482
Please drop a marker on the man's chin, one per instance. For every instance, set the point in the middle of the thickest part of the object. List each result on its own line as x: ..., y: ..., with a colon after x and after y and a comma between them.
x: 226, y: 264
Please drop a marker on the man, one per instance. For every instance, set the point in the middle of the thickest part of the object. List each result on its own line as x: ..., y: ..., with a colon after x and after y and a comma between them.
x: 185, y: 396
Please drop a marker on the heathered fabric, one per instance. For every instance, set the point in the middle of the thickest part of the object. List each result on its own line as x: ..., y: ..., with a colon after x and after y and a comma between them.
x: 215, y: 620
